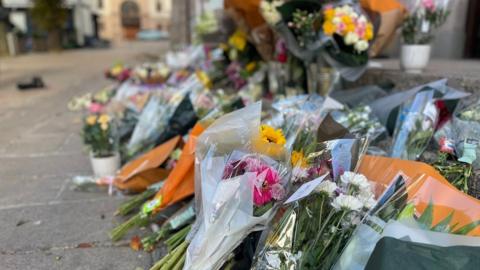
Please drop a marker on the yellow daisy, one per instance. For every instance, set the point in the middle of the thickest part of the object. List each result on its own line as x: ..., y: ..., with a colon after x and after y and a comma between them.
x: 271, y: 135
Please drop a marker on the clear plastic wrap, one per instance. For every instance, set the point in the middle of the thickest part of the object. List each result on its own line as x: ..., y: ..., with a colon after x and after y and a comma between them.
x: 303, y: 234
x: 464, y: 131
x: 236, y: 187
x: 360, y: 122
x: 296, y: 113
x: 154, y: 118
x: 415, y: 126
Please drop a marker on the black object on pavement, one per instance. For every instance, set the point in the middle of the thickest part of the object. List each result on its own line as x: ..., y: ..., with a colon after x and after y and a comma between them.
x: 32, y: 83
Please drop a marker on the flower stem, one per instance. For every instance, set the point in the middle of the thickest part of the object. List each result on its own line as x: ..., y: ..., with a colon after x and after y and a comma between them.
x: 135, y: 202
x: 118, y: 232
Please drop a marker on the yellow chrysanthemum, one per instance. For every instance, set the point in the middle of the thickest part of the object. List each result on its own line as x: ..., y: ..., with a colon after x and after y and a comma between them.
x: 329, y: 28
x: 350, y: 27
x: 271, y: 135
x: 369, y: 32
x: 298, y: 159
x: 347, y: 19
x: 251, y: 66
x: 104, y: 119
x: 238, y: 40
x: 91, y: 120
x: 329, y: 13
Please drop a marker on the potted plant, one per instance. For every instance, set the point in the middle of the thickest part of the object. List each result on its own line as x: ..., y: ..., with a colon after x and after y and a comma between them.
x: 98, y: 134
x: 417, y: 34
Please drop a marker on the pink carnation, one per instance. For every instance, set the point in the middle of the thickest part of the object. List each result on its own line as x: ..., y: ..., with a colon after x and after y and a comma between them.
x: 278, y: 192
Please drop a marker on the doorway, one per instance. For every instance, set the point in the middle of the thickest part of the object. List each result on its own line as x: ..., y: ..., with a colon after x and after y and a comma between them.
x: 130, y: 16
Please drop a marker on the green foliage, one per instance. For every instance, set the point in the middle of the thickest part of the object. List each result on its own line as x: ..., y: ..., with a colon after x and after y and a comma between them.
x: 412, y: 26
x: 426, y: 222
x: 49, y: 15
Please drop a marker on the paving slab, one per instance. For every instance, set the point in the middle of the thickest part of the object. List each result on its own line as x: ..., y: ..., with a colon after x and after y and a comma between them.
x: 96, y: 258
x: 56, y: 224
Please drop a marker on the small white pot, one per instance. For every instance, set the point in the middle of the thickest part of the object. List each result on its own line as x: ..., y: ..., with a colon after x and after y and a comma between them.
x: 105, y: 166
x: 414, y: 58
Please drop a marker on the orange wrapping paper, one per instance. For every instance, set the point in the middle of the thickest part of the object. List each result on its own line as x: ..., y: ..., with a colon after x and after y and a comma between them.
x: 425, y: 185
x: 180, y: 182
x: 139, y: 174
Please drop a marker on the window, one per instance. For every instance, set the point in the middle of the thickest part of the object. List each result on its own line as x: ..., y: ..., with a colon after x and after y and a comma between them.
x: 158, y: 5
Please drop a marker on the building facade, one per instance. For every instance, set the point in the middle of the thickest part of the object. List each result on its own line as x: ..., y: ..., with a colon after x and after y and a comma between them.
x: 122, y: 19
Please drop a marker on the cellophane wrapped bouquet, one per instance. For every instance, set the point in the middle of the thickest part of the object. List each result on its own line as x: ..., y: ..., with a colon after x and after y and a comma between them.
x: 311, y: 229
x: 415, y: 126
x: 241, y: 175
x: 418, y: 206
x: 155, y: 116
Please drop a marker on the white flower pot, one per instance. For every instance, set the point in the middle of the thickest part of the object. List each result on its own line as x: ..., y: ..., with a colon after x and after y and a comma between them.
x: 105, y: 166
x: 414, y: 58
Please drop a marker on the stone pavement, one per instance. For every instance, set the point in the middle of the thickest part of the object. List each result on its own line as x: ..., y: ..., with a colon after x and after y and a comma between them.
x: 44, y: 223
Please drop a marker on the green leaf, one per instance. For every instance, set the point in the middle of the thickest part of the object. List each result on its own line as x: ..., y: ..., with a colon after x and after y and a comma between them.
x: 442, y: 226
x: 407, y: 212
x: 426, y: 218
x: 467, y: 228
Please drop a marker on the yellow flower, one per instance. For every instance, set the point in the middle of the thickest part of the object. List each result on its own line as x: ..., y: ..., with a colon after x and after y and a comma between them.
x: 271, y: 135
x: 369, y: 32
x: 346, y: 19
x: 350, y: 27
x: 104, y: 126
x: 91, y: 120
x: 329, y: 14
x: 298, y: 159
x: 251, y: 66
x: 204, y: 78
x: 104, y: 119
x: 329, y: 28
x: 238, y: 40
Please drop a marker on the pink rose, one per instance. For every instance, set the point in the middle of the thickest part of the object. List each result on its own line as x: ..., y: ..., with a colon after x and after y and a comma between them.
x: 95, y: 107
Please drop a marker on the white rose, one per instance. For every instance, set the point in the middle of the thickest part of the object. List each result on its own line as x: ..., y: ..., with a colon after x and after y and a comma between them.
x: 351, y: 38
x: 336, y: 20
x: 362, y: 19
x: 361, y: 45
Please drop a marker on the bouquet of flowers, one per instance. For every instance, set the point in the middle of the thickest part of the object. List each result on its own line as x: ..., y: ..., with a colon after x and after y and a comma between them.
x: 360, y: 121
x: 158, y: 112
x: 425, y: 17
x: 237, y: 186
x: 415, y: 126
x: 351, y: 32
x: 99, y: 134
x: 152, y: 73
x: 419, y: 204
x: 296, y: 240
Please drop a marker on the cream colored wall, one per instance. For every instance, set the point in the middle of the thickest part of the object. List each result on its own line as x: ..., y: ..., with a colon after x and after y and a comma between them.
x: 109, y: 17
